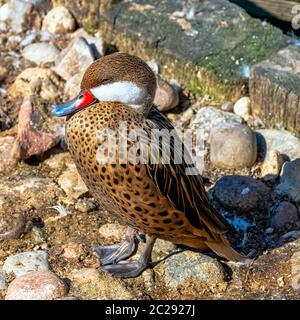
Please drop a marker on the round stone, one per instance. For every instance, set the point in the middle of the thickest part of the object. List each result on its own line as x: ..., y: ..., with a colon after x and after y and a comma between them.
x: 285, y: 215
x: 232, y: 146
x: 58, y: 20
x: 241, y: 193
x: 12, y: 225
x: 37, y: 285
x: 40, y: 53
x: 242, y: 107
x: 227, y: 106
x: 166, y: 96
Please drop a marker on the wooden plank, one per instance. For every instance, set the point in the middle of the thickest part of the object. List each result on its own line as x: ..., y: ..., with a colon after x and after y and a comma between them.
x: 279, y: 9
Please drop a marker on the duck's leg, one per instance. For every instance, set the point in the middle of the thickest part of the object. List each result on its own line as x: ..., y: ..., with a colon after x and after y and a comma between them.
x: 120, y: 251
x: 131, y: 269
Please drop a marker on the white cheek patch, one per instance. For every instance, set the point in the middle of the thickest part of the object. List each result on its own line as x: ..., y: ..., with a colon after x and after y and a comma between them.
x: 125, y: 92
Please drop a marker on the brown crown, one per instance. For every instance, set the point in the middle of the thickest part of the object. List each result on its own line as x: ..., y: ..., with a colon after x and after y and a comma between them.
x: 119, y: 67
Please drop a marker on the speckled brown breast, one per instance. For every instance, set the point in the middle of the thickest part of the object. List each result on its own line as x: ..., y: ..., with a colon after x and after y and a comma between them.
x: 124, y: 190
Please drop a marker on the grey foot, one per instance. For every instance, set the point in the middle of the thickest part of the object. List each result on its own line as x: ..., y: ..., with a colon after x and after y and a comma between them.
x: 114, y: 253
x: 125, y: 269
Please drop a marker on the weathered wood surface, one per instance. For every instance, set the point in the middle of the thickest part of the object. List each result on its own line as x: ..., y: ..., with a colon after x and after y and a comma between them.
x: 280, y: 9
x: 275, y: 90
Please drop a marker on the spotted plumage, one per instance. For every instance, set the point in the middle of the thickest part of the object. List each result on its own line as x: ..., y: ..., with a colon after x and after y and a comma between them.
x: 159, y: 200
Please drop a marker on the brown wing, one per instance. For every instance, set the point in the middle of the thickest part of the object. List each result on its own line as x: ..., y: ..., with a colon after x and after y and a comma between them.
x: 185, y: 192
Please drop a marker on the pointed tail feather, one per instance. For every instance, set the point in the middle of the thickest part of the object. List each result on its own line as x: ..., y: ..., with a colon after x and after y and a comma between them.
x: 224, y: 249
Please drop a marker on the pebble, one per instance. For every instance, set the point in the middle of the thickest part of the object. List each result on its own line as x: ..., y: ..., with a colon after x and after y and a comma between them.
x: 227, y: 106
x: 285, y: 215
x: 73, y: 251
x: 30, y: 141
x: 166, y: 96
x: 40, y: 53
x: 272, y: 165
x: 3, y: 73
x: 290, y: 180
x: 31, y: 79
x: 58, y: 20
x: 12, y: 225
x: 232, y: 146
x: 192, y: 270
x: 37, y: 285
x: 241, y: 193
x: 113, y: 231
x: 72, y: 184
x: 25, y: 262
x: 15, y: 14
x: 282, y: 141
x: 74, y: 59
x: 242, y: 107
x: 3, y: 284
x: 85, y: 205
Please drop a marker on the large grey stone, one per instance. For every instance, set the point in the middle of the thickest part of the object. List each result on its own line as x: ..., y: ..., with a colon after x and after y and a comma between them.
x: 283, y: 141
x: 22, y: 263
x: 290, y: 180
x: 192, y: 269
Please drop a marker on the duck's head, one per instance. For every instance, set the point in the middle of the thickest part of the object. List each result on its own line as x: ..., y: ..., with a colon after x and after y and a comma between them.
x: 117, y: 77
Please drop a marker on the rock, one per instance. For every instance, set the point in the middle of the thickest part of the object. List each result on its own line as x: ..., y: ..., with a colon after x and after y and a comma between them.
x: 285, y: 215
x: 232, y: 146
x: 59, y: 161
x: 31, y: 80
x: 85, y: 205
x: 6, y: 144
x: 187, y: 51
x: 290, y: 180
x: 162, y: 248
x: 3, y: 73
x: 96, y: 43
x: 166, y: 96
x: 192, y: 271
x: 15, y: 14
x: 295, y: 274
x: 113, y: 231
x: 30, y: 140
x: 274, y: 89
x: 72, y: 184
x: 206, y: 119
x: 58, y: 20
x: 90, y: 284
x: 12, y: 225
x: 73, y: 251
x: 72, y: 86
x: 240, y: 193
x: 242, y: 107
x: 209, y: 117
x: 74, y: 59
x: 283, y: 141
x: 30, y: 37
x: 36, y: 285
x: 40, y: 53
x: 25, y: 262
x: 3, y: 284
x: 272, y: 165
x: 227, y: 106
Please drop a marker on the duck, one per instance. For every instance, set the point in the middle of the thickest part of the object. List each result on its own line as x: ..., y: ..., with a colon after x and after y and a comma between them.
x: 154, y: 198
